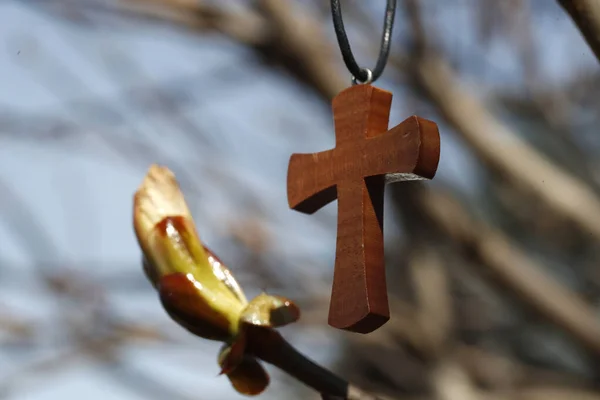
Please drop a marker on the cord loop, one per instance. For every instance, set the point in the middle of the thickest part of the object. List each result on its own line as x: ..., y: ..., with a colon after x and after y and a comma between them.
x: 364, y: 75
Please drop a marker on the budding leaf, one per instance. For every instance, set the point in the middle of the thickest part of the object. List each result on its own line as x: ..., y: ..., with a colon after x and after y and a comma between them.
x: 195, y: 288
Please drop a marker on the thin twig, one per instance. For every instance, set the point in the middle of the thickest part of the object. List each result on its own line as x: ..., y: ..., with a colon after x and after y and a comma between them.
x: 270, y: 346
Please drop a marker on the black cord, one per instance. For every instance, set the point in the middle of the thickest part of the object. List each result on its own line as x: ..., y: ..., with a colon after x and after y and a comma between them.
x: 364, y: 75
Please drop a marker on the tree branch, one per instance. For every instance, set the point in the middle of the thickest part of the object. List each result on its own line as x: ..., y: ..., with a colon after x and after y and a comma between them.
x: 274, y: 27
x: 494, y: 143
x: 270, y: 346
x: 512, y: 268
x: 586, y: 15
x: 503, y: 150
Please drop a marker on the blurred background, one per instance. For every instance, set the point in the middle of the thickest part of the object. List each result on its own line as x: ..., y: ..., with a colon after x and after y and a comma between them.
x: 492, y: 266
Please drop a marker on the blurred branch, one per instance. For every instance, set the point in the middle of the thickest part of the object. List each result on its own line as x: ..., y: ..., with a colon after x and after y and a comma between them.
x: 586, y: 15
x: 433, y: 302
x: 142, y: 383
x: 15, y: 326
x: 94, y: 346
x: 451, y: 382
x: 26, y: 227
x: 419, y: 337
x: 514, y: 269
x: 310, y: 57
x: 495, y: 143
x: 553, y: 107
x: 242, y: 25
x: 131, y: 148
x: 388, y: 354
x: 492, y: 370
x: 276, y: 28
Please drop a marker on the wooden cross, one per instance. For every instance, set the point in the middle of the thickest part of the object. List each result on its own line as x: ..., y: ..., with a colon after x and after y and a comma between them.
x: 365, y: 158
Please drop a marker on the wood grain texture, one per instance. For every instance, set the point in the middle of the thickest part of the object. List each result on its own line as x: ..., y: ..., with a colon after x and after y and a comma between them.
x: 355, y: 172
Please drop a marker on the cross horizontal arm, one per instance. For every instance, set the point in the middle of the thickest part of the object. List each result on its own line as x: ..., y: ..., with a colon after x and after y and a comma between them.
x: 411, y: 147
x: 310, y: 181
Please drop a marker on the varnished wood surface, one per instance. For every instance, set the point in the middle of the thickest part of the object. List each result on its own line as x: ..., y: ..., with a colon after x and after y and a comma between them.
x: 355, y: 173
